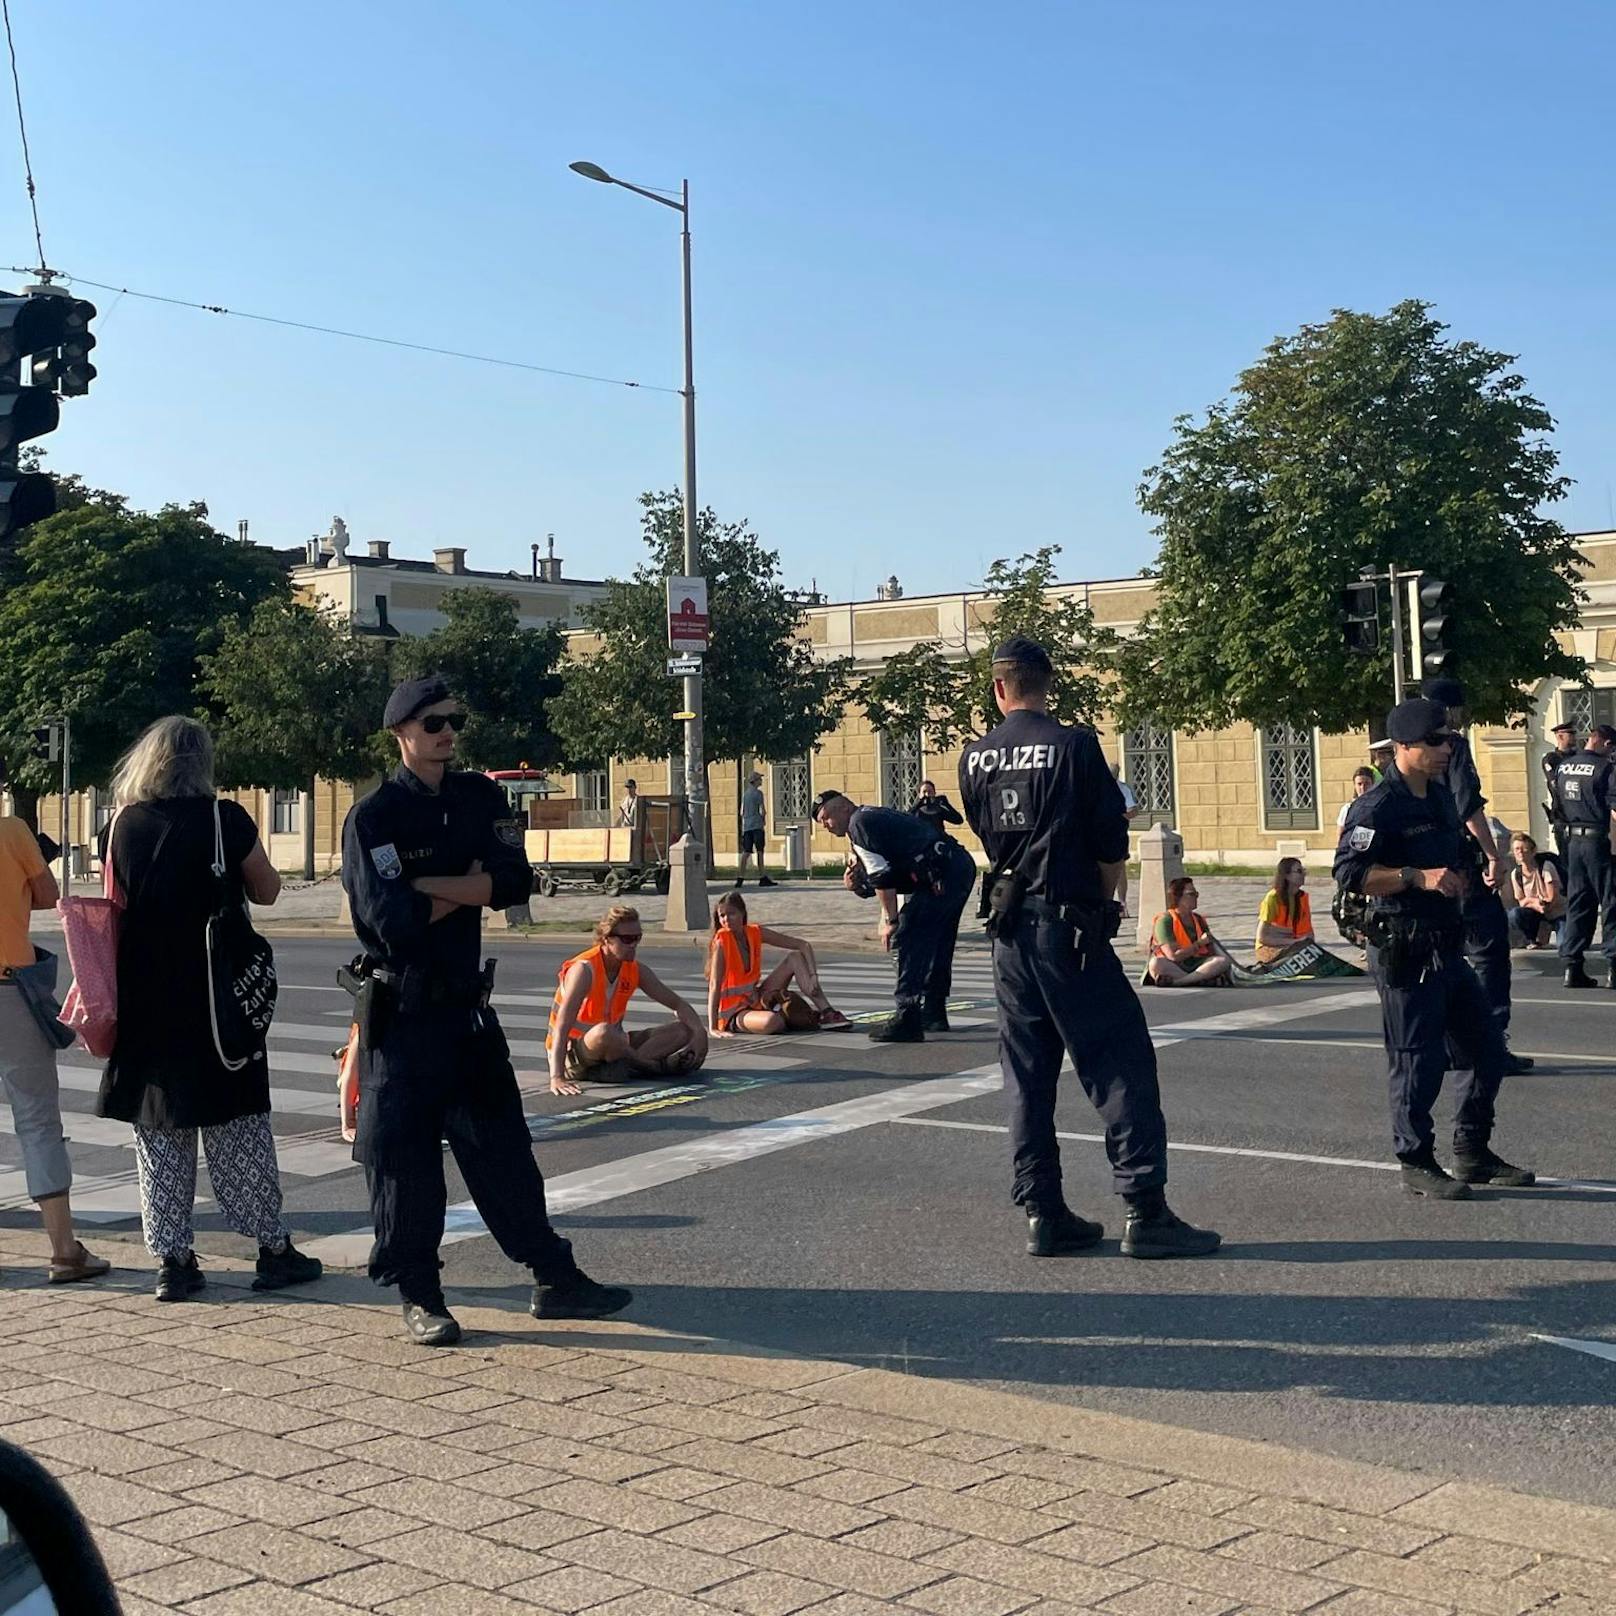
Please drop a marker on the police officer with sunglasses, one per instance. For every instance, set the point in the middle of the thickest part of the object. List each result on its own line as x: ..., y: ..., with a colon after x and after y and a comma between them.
x: 422, y: 856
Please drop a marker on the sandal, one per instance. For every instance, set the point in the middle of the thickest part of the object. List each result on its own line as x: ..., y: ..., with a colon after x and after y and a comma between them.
x: 679, y: 1064
x: 81, y: 1266
x: 832, y: 1020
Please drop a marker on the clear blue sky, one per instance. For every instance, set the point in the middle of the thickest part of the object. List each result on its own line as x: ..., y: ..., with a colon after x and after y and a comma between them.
x: 957, y: 266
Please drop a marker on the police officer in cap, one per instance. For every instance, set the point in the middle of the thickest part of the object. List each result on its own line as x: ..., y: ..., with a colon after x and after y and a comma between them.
x: 898, y: 853
x: 1041, y: 798
x: 1402, y: 846
x: 422, y: 856
x: 1584, y: 789
x: 1486, y: 925
x: 1565, y: 745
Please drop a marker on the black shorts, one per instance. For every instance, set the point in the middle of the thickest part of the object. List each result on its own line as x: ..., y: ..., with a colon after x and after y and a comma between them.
x: 752, y: 842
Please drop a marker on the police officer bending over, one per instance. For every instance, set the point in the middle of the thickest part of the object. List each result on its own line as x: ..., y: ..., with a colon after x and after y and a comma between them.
x: 1402, y: 847
x: 422, y: 856
x: 1584, y: 787
x: 900, y: 853
x: 1041, y: 798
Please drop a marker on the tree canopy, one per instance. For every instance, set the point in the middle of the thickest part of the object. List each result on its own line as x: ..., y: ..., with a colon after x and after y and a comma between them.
x: 1367, y: 440
x: 764, y: 693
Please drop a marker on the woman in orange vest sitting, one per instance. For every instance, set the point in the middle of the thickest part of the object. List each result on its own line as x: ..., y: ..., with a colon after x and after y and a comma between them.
x: 1285, y: 920
x: 1183, y: 953
x: 587, y: 1039
x: 738, y: 997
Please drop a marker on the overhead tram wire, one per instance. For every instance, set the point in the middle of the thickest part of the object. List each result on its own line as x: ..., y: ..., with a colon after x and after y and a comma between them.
x: 363, y: 336
x: 27, y: 160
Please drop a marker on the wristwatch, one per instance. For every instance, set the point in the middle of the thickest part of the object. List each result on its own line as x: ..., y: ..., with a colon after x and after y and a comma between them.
x: 1410, y: 876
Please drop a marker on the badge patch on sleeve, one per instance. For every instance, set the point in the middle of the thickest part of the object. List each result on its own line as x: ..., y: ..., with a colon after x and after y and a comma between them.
x: 1362, y: 838
x: 386, y: 860
x: 509, y: 831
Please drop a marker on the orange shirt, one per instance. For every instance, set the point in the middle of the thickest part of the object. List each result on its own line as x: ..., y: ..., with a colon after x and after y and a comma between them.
x: 20, y: 861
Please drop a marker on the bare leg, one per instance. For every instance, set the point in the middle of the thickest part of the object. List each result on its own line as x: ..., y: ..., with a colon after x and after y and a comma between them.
x: 662, y: 1049
x: 58, y: 1218
x: 760, y: 1021
x: 800, y: 967
x: 1212, y: 970
x: 1167, y: 972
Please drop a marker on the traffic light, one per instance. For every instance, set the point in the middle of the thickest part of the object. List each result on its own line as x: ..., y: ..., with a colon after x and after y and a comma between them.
x: 67, y: 368
x: 1360, y: 606
x: 1431, y: 652
x: 48, y: 743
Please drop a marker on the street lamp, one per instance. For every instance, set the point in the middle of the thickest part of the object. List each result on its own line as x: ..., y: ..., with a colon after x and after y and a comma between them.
x: 695, y: 772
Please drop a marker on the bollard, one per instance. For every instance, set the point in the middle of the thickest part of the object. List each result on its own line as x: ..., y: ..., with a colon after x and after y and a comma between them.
x: 1161, y: 859
x: 687, y: 887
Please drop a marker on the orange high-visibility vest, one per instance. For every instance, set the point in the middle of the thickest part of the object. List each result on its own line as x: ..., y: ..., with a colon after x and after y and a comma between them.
x: 741, y: 975
x: 1299, y: 925
x: 595, y: 1008
x: 1181, y: 935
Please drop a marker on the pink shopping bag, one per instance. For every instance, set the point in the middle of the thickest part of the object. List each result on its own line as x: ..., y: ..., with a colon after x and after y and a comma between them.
x: 90, y: 928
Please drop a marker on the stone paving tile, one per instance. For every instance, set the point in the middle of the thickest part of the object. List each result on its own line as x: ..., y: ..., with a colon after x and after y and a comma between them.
x: 1496, y: 1560
x: 970, y: 1514
x: 1025, y: 1492
x: 1362, y: 1602
x: 966, y: 1445
x: 767, y: 1405
x: 1164, y: 1599
x: 656, y: 1602
x: 747, y: 1463
x: 1435, y: 1584
x: 103, y: 1451
x: 281, y: 1503
x: 260, y: 1414
x: 1557, y: 1574
x: 190, y: 1578
x: 905, y: 1539
x: 334, y: 1434
x: 109, y: 1501
x: 965, y: 1596
x: 406, y: 1418
x: 457, y: 1599
x: 269, y: 1551
x: 1093, y: 1545
x: 462, y: 1556
x: 431, y: 1501
x: 510, y: 1480
x: 578, y: 1459
x: 802, y: 1441
x: 271, y: 1456
x: 767, y: 1593
x: 363, y: 1528
x: 1143, y: 1517
x: 851, y: 1570
x: 720, y: 1533
x: 180, y: 1526
x: 913, y: 1464
x: 126, y: 1554
x: 1282, y: 1551
x: 557, y: 1419
x: 467, y: 1400
x: 1199, y: 1497
x: 1045, y: 1574
x: 1582, y: 1530
x: 674, y: 1386
x: 786, y: 1508
x: 185, y: 1472
x: 646, y: 1439
x: 264, y: 1599
x: 1212, y: 1574
x: 412, y: 1456
x: 1333, y: 1525
x: 678, y: 1481
x: 653, y: 1561
x: 347, y: 1476
x: 850, y: 1605
x: 572, y: 1588
x: 375, y: 1585
x: 857, y: 1423
x: 1080, y: 1474
x: 613, y: 1506
x: 539, y: 1529
x: 850, y: 1486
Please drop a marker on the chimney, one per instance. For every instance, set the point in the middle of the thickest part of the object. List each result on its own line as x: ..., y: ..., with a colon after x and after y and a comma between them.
x: 381, y: 612
x: 378, y: 550
x: 450, y: 560
x: 241, y: 530
x: 311, y: 552
x: 548, y: 569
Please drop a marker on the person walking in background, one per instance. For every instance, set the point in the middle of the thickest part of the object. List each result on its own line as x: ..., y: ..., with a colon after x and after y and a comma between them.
x: 1285, y: 920
x: 28, y: 1057
x: 1130, y: 812
x: 1183, y: 951
x: 1363, y: 779
x: 631, y: 801
x: 752, y: 832
x: 936, y: 809
x: 1535, y: 886
x: 166, y: 1076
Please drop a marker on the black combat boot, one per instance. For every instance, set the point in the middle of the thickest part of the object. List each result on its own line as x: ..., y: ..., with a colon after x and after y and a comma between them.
x: 578, y: 1297
x: 904, y: 1027
x: 934, y: 1016
x: 1476, y: 1164
x: 431, y: 1324
x: 1053, y: 1231
x: 1423, y: 1175
x: 288, y: 1266
x: 179, y: 1279
x: 1516, y: 1065
x: 1152, y: 1230
x: 1576, y: 977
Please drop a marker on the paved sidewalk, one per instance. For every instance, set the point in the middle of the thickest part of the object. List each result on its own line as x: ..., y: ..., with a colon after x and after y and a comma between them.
x: 293, y: 1455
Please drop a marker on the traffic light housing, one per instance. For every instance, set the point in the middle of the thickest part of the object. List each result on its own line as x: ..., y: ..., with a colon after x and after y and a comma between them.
x: 1360, y: 607
x: 66, y: 368
x: 48, y: 743
x: 1432, y: 653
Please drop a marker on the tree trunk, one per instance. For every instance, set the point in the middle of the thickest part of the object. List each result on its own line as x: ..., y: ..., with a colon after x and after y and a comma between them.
x: 25, y: 805
x: 308, y: 831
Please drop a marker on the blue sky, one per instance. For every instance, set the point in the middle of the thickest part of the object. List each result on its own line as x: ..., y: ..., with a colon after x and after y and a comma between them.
x: 957, y: 266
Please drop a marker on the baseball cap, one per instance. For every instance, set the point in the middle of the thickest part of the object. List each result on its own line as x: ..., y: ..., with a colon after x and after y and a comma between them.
x: 1411, y: 721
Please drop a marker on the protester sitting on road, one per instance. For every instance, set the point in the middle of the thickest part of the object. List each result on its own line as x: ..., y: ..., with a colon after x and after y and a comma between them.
x: 1539, y: 896
x: 1285, y: 920
x: 166, y: 1075
x: 1363, y: 777
x: 587, y: 1040
x: 1183, y: 952
x: 741, y: 999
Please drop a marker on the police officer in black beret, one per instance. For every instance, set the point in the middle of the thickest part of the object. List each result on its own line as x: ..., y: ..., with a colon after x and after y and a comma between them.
x: 1402, y: 846
x: 1565, y: 745
x: 422, y: 856
x: 1040, y: 796
x: 1584, y: 788
x: 900, y: 853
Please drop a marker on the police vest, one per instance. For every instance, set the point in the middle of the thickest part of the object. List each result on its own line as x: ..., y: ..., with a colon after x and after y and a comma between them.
x: 597, y: 1006
x: 741, y: 972
x: 1181, y: 935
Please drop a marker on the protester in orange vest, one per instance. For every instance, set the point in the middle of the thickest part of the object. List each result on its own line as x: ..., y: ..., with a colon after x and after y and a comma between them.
x: 587, y: 1039
x: 1285, y: 920
x: 739, y: 998
x: 1183, y: 953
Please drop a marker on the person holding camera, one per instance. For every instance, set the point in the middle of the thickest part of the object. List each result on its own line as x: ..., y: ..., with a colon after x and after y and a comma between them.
x: 1040, y: 796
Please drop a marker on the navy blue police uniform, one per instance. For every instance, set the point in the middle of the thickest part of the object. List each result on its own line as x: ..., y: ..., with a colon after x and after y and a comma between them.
x: 905, y: 854
x: 1429, y: 994
x: 437, y: 1065
x: 1040, y: 796
x: 1551, y: 762
x: 1486, y: 925
x: 1585, y: 791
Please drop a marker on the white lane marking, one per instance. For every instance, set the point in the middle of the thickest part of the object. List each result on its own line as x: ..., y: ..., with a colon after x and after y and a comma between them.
x: 1267, y: 1015
x: 1344, y: 1041
x: 1594, y: 1185
x: 1594, y: 1349
x: 630, y: 1174
x: 87, y: 1080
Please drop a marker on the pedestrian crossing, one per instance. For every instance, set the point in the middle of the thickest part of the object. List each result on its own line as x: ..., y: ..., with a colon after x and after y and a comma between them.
x: 313, y: 1021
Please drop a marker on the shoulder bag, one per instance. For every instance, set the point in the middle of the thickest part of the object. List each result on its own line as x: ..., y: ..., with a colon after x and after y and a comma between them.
x: 241, y: 970
x: 90, y: 930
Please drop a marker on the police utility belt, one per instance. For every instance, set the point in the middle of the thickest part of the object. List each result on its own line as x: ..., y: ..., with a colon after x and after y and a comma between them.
x: 379, y: 992
x: 1005, y: 900
x: 1412, y: 948
x: 1586, y: 830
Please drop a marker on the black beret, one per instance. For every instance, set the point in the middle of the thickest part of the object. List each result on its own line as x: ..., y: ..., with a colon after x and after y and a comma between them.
x: 822, y: 798
x: 410, y: 697
x: 1023, y: 652
x: 1570, y: 729
x: 1411, y: 721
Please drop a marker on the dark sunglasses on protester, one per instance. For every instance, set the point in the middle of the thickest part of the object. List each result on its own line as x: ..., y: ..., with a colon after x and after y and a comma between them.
x: 433, y: 722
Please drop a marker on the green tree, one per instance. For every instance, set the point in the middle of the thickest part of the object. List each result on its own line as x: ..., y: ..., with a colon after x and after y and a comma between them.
x: 1364, y: 441
x: 105, y: 614
x: 505, y: 674
x: 297, y: 698
x: 764, y: 694
x: 949, y: 696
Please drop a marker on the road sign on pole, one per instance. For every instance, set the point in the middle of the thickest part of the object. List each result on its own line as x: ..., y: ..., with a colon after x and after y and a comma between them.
x: 679, y: 666
x: 687, y: 615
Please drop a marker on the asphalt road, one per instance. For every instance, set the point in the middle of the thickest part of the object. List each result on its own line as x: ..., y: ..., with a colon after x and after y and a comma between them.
x: 828, y: 1196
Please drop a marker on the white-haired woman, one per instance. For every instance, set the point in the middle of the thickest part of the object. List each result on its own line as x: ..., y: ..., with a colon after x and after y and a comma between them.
x: 165, y: 1076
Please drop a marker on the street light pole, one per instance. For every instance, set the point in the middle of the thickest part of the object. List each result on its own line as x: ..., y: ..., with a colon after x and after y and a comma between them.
x: 695, y: 768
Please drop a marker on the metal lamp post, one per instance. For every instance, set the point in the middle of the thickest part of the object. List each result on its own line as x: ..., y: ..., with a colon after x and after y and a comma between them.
x: 695, y: 771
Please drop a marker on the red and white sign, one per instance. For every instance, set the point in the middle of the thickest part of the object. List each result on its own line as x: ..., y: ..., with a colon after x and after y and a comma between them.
x: 688, y: 622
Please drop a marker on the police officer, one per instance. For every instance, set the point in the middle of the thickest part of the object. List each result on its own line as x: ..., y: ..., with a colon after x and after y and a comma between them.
x: 1040, y: 797
x: 1486, y: 925
x: 1565, y: 745
x: 900, y: 853
x: 1585, y: 791
x: 1402, y: 846
x: 422, y: 856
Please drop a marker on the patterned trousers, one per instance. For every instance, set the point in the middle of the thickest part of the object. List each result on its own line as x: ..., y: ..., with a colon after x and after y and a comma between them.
x: 241, y: 1167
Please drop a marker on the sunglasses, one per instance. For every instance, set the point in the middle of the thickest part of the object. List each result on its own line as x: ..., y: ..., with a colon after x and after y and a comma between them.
x: 629, y: 939
x: 433, y: 722
x: 1439, y: 737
